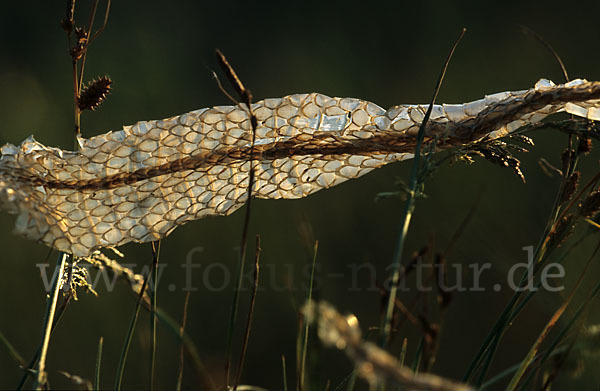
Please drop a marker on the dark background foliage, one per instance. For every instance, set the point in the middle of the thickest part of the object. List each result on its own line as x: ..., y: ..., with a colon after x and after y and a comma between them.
x: 160, y: 56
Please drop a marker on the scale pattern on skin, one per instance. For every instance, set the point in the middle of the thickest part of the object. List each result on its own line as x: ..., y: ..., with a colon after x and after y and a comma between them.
x: 139, y: 183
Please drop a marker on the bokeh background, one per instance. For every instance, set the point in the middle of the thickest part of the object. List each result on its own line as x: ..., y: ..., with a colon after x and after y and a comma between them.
x: 160, y: 56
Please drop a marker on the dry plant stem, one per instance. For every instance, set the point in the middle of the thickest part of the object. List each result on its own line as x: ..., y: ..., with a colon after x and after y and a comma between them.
x: 78, y: 76
x: 538, y: 37
x: 283, y: 370
x: 83, y: 58
x: 410, y: 204
x: 246, y: 97
x: 181, y: 345
x: 306, y: 324
x: 154, y: 288
x: 250, y: 314
x: 50, y: 311
x: 98, y: 364
x: 12, y: 351
x: 91, y: 38
x: 77, y: 112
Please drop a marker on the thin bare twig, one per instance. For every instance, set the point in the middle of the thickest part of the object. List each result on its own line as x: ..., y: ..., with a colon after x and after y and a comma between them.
x: 181, y: 345
x: 250, y: 313
x: 535, y: 35
x: 246, y: 97
x: 153, y: 293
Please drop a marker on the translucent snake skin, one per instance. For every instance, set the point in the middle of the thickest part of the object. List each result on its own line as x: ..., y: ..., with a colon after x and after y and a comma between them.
x: 139, y: 183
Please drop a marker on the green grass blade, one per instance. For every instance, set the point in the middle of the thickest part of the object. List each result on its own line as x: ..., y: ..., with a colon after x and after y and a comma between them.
x: 129, y: 336
x: 386, y: 326
x: 49, y: 320
x: 27, y: 372
x: 416, y: 364
x: 352, y: 380
x: 551, y: 323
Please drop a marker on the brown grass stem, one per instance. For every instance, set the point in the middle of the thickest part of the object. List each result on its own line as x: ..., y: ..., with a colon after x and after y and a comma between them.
x: 246, y: 96
x: 153, y: 303
x: 301, y: 375
x: 181, y: 345
x: 250, y: 314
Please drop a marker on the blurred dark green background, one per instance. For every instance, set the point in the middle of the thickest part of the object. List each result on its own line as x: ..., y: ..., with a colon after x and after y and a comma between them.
x: 160, y: 56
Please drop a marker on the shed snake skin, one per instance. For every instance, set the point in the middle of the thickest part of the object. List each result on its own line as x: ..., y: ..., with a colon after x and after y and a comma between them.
x: 139, y: 183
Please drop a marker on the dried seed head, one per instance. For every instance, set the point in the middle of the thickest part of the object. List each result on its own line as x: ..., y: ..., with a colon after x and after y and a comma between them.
x: 585, y: 145
x: 82, y: 39
x: 67, y: 22
x: 444, y: 294
x: 235, y: 81
x: 570, y: 186
x: 561, y: 231
x: 94, y: 94
x: 76, y: 277
x: 515, y: 165
x: 591, y: 205
x: 81, y: 35
x: 498, y: 153
x: 522, y: 138
x: 67, y: 25
x: 463, y: 158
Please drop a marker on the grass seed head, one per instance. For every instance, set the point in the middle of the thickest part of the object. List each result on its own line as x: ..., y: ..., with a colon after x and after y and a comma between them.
x: 591, y: 205
x: 561, y: 231
x: 585, y: 145
x: 570, y: 186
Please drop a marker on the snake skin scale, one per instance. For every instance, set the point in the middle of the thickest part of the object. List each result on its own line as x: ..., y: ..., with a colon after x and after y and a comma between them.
x: 139, y: 183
